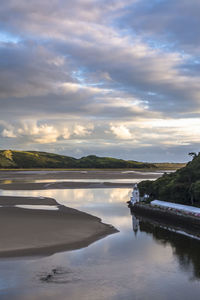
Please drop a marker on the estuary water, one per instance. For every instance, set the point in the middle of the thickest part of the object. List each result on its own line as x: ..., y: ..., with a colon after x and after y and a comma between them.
x: 142, y: 261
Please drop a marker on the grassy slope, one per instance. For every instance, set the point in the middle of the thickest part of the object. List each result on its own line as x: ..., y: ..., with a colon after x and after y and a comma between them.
x: 183, y: 186
x: 33, y: 159
x: 169, y: 166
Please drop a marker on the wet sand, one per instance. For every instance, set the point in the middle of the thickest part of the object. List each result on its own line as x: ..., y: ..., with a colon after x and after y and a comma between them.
x: 63, y: 185
x: 29, y: 232
x: 84, y: 174
x: 44, y: 232
x: 24, y: 180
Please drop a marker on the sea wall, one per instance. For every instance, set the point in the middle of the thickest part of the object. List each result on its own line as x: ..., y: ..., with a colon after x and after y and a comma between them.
x: 189, y: 223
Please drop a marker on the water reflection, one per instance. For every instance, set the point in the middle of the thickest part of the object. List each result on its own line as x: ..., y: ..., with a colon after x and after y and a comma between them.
x: 135, y: 223
x: 122, y: 180
x: 151, y: 263
x: 185, y: 248
x: 108, y: 204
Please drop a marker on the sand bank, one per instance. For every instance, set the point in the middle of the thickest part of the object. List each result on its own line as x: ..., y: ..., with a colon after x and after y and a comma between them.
x: 28, y: 180
x: 84, y: 174
x: 63, y: 185
x: 42, y: 232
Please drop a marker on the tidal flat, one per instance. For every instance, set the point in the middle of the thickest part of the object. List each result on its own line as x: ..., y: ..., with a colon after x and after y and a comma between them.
x: 141, y: 261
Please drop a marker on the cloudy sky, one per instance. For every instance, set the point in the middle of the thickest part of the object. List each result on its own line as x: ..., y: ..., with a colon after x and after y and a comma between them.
x: 107, y: 77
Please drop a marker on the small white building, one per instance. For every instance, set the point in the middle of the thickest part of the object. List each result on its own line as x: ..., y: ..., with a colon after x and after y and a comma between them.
x: 135, y: 197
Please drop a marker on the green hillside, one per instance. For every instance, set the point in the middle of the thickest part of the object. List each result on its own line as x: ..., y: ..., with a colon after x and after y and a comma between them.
x: 35, y: 159
x: 183, y: 186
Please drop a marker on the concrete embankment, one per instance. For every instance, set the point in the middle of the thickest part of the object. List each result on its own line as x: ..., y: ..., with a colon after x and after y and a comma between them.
x: 188, y: 223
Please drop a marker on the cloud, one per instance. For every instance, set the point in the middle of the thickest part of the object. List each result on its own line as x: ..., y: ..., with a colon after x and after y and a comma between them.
x: 41, y: 134
x: 89, y: 75
x: 8, y: 133
x: 81, y: 130
x: 65, y: 133
x: 33, y: 133
x: 129, y: 62
x: 178, y: 23
x: 121, y: 132
x: 29, y: 69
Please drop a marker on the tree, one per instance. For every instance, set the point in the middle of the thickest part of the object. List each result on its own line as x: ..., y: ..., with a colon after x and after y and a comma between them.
x: 193, y: 154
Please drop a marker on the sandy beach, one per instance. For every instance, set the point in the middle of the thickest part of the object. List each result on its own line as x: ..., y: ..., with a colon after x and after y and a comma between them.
x: 43, y: 232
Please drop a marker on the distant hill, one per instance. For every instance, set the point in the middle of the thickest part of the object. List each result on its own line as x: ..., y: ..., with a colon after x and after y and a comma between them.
x: 182, y: 186
x: 34, y: 159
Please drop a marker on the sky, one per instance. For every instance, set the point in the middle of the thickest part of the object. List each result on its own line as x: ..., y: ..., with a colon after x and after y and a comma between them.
x: 116, y: 78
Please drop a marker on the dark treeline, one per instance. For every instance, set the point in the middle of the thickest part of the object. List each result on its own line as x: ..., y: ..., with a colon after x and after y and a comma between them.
x: 183, y: 186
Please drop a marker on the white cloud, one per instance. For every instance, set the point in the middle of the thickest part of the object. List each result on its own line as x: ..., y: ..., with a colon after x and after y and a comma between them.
x: 121, y: 132
x: 8, y: 133
x: 66, y: 133
x: 32, y: 132
x: 81, y: 130
x: 41, y: 134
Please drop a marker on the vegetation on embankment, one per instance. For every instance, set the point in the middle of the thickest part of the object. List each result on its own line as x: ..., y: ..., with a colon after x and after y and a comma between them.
x: 10, y: 159
x: 182, y: 186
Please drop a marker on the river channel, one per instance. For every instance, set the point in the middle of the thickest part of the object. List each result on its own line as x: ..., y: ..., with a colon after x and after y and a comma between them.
x: 142, y: 261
